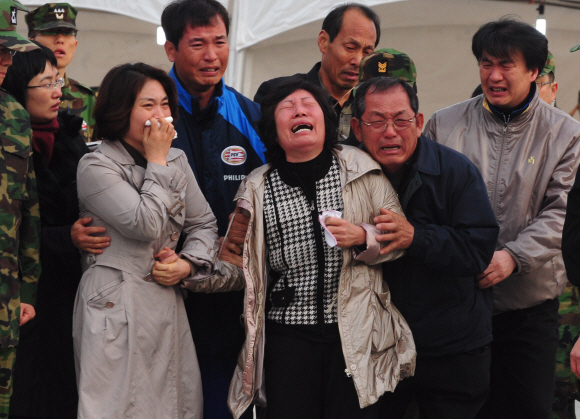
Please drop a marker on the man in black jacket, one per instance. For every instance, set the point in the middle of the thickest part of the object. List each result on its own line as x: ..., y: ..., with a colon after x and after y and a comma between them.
x: 450, y: 235
x: 349, y: 32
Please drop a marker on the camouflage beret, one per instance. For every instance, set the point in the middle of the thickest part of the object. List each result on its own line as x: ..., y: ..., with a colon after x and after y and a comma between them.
x: 50, y: 16
x: 388, y: 62
x: 9, y: 38
x: 550, y: 66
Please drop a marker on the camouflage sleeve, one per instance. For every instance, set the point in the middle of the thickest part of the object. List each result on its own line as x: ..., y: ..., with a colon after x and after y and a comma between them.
x: 79, y: 100
x: 29, y: 240
x: 20, y: 221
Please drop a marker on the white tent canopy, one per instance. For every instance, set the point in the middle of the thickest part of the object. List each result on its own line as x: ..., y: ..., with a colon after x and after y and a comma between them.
x: 146, y: 10
x: 252, y: 22
x: 270, y: 38
x: 257, y: 20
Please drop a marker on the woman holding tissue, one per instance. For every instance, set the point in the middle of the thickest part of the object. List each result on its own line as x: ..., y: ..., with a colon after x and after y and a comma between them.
x: 134, y: 353
x: 319, y: 322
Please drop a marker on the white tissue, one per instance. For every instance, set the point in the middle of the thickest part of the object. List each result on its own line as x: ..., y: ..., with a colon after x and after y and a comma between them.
x: 168, y: 119
x: 330, y: 239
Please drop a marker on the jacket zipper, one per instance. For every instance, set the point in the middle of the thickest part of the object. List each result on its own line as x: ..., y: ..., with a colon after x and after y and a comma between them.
x: 499, y: 162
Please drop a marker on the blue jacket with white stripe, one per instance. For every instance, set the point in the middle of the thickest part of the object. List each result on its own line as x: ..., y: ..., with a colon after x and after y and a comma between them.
x: 222, y: 146
x: 220, y: 142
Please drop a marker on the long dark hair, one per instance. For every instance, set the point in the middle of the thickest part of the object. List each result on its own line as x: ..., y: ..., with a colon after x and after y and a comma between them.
x: 267, y: 125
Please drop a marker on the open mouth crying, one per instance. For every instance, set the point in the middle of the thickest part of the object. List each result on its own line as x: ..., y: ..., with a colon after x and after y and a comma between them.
x: 301, y: 127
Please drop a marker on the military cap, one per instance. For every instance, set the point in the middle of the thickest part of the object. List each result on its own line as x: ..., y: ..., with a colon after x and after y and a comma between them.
x: 9, y: 38
x: 388, y: 62
x: 51, y: 16
x: 550, y: 66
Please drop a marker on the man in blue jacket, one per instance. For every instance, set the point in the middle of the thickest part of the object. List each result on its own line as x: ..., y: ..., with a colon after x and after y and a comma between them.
x: 450, y: 235
x: 217, y: 131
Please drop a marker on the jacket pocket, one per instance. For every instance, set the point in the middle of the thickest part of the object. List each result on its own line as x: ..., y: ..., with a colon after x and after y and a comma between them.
x: 109, y: 301
x: 382, y: 335
x: 15, y: 163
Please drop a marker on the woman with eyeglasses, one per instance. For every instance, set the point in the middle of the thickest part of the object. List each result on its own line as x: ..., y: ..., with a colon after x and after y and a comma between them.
x: 44, y: 374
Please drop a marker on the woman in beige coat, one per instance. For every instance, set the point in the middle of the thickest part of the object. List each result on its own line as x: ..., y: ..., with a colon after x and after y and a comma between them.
x: 133, y: 349
x: 322, y: 338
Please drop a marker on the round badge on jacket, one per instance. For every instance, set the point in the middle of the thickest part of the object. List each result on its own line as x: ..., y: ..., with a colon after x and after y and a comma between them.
x: 234, y: 155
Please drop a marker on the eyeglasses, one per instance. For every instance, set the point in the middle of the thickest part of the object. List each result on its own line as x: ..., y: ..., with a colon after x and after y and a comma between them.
x: 59, y: 31
x: 50, y: 86
x: 6, y: 51
x: 540, y: 84
x: 381, y: 126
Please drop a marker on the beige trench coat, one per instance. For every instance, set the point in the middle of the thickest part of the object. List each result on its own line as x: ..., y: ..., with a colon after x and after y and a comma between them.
x: 377, y: 342
x: 134, y: 353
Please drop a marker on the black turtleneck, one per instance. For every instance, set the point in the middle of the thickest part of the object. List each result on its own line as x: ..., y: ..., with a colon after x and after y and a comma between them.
x: 306, y: 174
x: 140, y: 160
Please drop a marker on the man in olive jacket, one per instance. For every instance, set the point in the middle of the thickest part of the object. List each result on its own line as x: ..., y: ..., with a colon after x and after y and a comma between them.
x: 527, y: 152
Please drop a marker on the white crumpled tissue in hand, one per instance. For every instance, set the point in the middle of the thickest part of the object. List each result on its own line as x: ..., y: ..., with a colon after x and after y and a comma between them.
x: 330, y: 239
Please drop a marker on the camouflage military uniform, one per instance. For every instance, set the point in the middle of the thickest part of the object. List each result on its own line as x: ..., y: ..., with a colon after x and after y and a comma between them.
x: 19, y: 217
x: 566, y: 389
x: 566, y: 385
x: 79, y: 100
x: 19, y: 233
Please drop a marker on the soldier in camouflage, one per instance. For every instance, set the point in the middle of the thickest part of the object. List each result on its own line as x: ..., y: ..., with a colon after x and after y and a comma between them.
x: 566, y: 387
x: 546, y: 81
x: 19, y: 216
x: 54, y: 26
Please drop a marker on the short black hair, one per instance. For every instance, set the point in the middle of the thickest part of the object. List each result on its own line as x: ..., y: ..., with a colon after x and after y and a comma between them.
x: 118, y: 93
x: 275, y: 155
x: 378, y: 85
x: 178, y: 14
x: 333, y: 21
x: 477, y: 91
x: 551, y: 77
x: 26, y: 66
x: 504, y: 37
